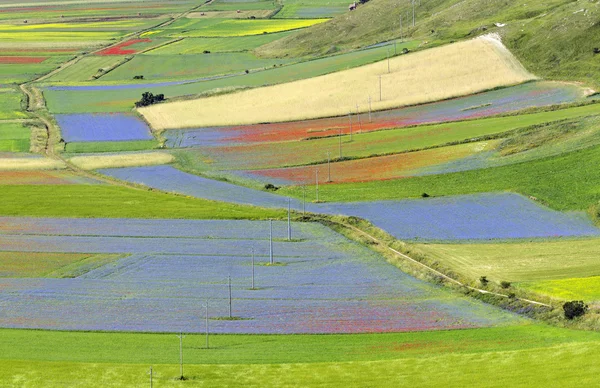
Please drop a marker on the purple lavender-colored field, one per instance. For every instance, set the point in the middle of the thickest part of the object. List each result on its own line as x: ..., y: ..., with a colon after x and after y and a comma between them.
x: 170, y: 179
x: 102, y: 127
x: 469, y: 217
x: 466, y: 217
x: 323, y: 283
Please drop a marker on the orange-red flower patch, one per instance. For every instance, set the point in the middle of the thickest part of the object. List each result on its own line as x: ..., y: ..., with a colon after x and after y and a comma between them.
x: 120, y: 48
x: 10, y: 60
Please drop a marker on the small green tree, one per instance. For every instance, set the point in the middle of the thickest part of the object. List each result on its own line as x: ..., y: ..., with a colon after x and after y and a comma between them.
x: 484, y: 281
x: 574, y: 309
x: 504, y: 284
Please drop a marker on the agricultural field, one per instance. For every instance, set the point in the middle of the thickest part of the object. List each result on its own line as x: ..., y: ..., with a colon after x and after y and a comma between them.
x: 402, y: 194
x: 482, y: 105
x: 107, y: 127
x: 294, y: 296
x: 216, y: 27
x: 475, y: 217
x: 121, y: 97
x: 388, y: 83
x: 216, y: 45
x: 14, y: 137
x: 190, y: 66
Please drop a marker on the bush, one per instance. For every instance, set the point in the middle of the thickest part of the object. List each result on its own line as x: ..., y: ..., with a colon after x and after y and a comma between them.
x: 206, y: 52
x: 484, y: 281
x: 149, y: 99
x: 424, y: 195
x: 138, y: 77
x: 271, y: 187
x: 574, y: 309
x: 504, y: 284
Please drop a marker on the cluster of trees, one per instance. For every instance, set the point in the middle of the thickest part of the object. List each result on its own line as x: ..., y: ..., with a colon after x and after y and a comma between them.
x: 149, y: 99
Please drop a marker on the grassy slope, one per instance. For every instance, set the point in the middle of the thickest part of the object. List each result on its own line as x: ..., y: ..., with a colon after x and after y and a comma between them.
x: 113, y: 201
x: 521, y: 261
x: 520, y: 356
x: 549, y: 37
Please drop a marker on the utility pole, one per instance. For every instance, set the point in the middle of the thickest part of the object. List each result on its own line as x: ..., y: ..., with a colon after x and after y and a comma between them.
x: 413, y: 4
x: 181, y: 355
x: 317, y: 180
x: 359, y: 122
x: 289, y: 219
x: 206, y: 321
x: 328, y: 166
x: 271, y: 241
x: 229, y: 281
x: 253, y: 268
x: 369, y: 108
x: 350, y: 121
x: 380, y: 87
x: 388, y: 59
x: 303, y: 200
x: 401, y: 32
x: 150, y: 373
x: 340, y: 146
x: 395, y: 51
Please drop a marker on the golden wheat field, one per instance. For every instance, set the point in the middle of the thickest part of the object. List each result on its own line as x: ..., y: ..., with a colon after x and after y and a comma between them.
x: 430, y: 75
x: 93, y: 162
x: 26, y: 164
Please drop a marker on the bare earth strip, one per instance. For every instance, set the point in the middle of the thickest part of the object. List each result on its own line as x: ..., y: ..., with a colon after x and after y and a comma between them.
x: 449, y: 71
x: 95, y: 162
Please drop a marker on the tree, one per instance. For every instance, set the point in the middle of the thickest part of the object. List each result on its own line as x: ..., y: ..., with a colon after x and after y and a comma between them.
x: 149, y: 99
x: 574, y: 309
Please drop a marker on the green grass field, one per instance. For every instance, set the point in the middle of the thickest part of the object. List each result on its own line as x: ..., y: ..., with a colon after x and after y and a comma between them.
x: 14, y: 137
x: 199, y: 45
x: 587, y: 288
x: 172, y: 67
x: 520, y: 261
x: 111, y: 146
x: 10, y: 104
x: 86, y: 68
x: 239, y: 5
x: 517, y: 356
x: 113, y: 201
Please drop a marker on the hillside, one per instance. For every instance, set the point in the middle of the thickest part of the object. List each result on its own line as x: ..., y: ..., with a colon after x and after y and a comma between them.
x: 553, y: 38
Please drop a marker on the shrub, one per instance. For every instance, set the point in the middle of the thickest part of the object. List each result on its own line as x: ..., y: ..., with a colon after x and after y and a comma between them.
x: 425, y: 195
x: 574, y: 309
x: 484, y: 281
x: 206, y: 52
x: 138, y: 77
x: 504, y: 284
x: 271, y: 187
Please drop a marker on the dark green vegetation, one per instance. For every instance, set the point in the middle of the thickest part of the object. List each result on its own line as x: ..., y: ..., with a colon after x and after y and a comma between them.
x: 114, y: 201
x: 553, y: 39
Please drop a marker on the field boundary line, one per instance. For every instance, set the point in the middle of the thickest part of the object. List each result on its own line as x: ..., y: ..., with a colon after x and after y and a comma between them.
x: 481, y: 291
